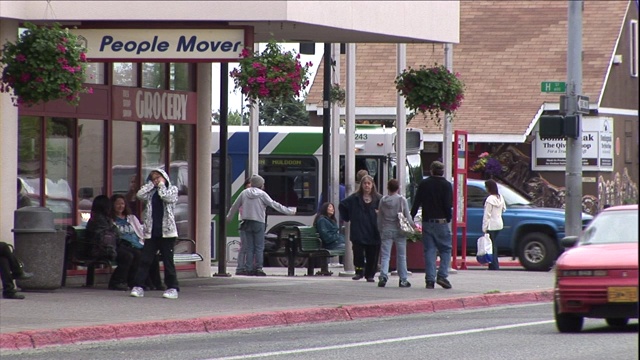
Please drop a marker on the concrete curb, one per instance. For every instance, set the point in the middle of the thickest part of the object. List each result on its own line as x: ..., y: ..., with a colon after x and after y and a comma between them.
x: 78, y: 335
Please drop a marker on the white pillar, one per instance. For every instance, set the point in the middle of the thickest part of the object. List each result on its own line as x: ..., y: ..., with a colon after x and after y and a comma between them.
x: 401, y: 123
x: 447, y: 136
x: 335, y: 130
x: 350, y: 144
x: 8, y: 146
x: 254, y: 121
x: 203, y: 171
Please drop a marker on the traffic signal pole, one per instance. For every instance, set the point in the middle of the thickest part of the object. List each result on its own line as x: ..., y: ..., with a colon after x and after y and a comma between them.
x: 573, y: 172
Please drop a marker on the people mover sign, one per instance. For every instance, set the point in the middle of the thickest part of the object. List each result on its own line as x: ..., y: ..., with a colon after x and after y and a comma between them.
x: 162, y: 44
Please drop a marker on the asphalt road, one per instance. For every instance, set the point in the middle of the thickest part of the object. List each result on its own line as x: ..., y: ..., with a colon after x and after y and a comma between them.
x: 508, y: 332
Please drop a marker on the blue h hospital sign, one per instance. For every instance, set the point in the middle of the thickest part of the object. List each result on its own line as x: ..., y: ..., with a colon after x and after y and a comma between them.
x: 162, y: 44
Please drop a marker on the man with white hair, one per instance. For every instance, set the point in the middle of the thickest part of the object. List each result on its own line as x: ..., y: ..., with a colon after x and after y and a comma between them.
x: 254, y: 202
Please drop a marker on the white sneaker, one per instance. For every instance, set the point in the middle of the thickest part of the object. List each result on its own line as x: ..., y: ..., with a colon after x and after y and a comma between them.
x: 137, y: 292
x: 170, y: 294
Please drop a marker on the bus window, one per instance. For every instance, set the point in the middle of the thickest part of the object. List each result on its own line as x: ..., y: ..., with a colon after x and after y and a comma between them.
x: 291, y: 181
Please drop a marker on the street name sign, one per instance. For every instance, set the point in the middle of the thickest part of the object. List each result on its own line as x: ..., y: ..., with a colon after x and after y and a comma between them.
x: 553, y: 86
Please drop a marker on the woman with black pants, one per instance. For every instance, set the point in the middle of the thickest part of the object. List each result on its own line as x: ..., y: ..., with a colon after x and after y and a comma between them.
x: 359, y: 209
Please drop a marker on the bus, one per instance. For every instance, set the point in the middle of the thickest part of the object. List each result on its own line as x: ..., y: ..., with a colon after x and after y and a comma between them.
x: 290, y: 161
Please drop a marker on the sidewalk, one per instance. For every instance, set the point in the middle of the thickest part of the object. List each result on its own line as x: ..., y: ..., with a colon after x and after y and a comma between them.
x: 76, y: 314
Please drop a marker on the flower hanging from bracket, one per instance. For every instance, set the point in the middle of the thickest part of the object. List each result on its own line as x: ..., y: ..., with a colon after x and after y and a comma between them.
x: 44, y: 64
x: 487, y: 165
x: 430, y: 90
x: 273, y: 75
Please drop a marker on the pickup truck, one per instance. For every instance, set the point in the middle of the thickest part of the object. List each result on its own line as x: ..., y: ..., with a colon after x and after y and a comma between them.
x: 531, y: 234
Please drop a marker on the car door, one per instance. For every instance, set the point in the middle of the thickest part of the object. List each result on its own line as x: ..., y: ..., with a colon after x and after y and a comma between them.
x: 475, y: 210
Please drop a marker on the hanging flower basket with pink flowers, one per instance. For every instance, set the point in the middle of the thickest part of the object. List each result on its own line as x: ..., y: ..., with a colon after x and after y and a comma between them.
x: 431, y: 90
x: 274, y: 75
x: 44, y: 64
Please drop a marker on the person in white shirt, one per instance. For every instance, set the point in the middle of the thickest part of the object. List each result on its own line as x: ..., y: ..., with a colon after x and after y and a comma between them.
x: 494, y: 206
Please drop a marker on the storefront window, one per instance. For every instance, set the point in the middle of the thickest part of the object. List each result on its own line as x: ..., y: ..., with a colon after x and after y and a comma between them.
x: 153, y: 75
x: 125, y: 179
x: 59, y: 169
x: 29, y: 159
x: 180, y: 77
x: 180, y: 138
x: 153, y: 147
x: 91, y: 182
x: 95, y: 73
x: 125, y: 74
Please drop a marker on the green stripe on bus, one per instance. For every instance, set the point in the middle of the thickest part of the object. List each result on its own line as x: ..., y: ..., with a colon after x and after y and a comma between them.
x: 299, y: 144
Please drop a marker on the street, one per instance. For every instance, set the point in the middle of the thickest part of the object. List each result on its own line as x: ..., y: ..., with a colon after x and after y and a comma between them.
x: 506, y: 332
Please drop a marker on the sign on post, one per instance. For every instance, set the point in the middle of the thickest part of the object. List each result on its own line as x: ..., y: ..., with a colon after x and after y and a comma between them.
x: 583, y: 104
x: 553, y: 86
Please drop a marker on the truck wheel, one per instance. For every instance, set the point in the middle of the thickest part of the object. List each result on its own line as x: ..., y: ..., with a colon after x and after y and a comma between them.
x: 537, y: 252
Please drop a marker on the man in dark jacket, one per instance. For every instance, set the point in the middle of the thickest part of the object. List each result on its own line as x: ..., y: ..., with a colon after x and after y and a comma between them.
x: 435, y: 195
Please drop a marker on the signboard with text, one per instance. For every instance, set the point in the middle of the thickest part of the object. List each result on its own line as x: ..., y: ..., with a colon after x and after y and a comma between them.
x: 549, y: 154
x: 153, y: 105
x: 189, y: 45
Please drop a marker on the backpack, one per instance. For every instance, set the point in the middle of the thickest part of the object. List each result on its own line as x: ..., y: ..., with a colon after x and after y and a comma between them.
x: 105, y: 246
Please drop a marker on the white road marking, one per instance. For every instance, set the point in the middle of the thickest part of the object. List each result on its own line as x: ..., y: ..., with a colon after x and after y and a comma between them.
x: 385, y: 341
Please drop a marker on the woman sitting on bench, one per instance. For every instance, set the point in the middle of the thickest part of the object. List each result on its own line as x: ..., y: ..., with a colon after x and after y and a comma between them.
x: 328, y: 229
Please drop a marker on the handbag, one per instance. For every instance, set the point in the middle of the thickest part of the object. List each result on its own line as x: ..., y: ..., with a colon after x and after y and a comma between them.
x: 484, y: 254
x: 405, y: 226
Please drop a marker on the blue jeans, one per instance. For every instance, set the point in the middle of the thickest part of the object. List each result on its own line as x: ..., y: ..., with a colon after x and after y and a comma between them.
x: 494, y: 265
x: 253, y: 242
x: 390, y: 236
x: 242, y: 253
x: 436, y: 237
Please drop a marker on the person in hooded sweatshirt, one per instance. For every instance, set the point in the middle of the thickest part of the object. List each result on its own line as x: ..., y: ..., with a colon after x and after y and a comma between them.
x: 160, y: 231
x: 494, y: 206
x: 389, y: 227
x: 254, y: 202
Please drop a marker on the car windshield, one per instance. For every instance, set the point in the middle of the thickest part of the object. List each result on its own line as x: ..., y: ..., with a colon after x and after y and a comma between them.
x: 620, y: 226
x: 511, y: 197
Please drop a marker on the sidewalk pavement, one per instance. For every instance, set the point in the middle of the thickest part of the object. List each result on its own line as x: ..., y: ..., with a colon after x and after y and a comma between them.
x: 75, y: 314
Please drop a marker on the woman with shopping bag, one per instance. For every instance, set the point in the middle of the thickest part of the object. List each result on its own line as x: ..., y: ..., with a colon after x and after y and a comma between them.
x: 492, y: 223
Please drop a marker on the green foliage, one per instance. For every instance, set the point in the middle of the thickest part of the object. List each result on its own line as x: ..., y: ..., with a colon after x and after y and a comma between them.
x: 233, y: 118
x: 287, y: 113
x: 272, y: 75
x: 44, y: 64
x: 430, y: 90
x: 337, y: 94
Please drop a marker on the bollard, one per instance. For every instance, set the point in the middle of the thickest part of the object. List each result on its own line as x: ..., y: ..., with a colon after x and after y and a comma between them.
x: 40, y: 247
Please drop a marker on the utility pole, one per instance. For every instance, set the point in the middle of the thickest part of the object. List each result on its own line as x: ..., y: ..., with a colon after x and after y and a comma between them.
x: 573, y: 172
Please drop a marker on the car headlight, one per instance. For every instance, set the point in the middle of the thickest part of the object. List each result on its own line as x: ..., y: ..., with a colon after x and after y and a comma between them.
x: 578, y: 273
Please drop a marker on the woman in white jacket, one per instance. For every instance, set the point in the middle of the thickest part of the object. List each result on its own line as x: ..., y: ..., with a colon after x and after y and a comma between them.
x: 494, y: 206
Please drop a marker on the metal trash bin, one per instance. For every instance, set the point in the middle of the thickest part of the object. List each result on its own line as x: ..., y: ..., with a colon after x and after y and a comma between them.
x: 40, y: 247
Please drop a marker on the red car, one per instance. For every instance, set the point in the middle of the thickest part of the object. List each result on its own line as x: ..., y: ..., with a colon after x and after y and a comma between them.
x: 597, y: 276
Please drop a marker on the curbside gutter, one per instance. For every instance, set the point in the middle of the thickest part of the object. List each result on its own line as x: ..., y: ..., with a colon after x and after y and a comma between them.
x: 34, y: 339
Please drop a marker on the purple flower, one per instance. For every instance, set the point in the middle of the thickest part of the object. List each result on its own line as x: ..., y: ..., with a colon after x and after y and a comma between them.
x: 493, y: 167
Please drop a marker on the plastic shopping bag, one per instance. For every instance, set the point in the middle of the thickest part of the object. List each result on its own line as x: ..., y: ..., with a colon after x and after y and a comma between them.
x: 484, y: 255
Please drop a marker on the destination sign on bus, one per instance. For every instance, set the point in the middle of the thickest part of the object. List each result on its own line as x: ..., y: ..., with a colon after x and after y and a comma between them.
x: 285, y: 162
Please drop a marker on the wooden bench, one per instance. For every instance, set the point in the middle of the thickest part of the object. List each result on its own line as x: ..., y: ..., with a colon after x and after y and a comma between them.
x: 77, y: 253
x: 303, y: 241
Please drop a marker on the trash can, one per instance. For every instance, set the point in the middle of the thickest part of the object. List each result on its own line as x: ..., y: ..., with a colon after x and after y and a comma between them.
x: 40, y: 247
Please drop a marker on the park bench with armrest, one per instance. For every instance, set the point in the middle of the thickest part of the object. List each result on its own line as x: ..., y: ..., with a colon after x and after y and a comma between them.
x: 303, y: 241
x: 77, y: 253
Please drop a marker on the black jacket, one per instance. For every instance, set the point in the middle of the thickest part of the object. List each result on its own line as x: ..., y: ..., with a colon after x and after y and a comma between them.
x: 435, y: 195
x: 363, y: 219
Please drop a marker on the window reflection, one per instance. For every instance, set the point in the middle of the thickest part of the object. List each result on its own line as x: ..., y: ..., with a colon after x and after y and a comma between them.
x: 90, y: 169
x: 125, y: 74
x: 29, y: 157
x: 153, y: 75
x: 59, y: 166
x: 125, y: 163
x: 180, y: 136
